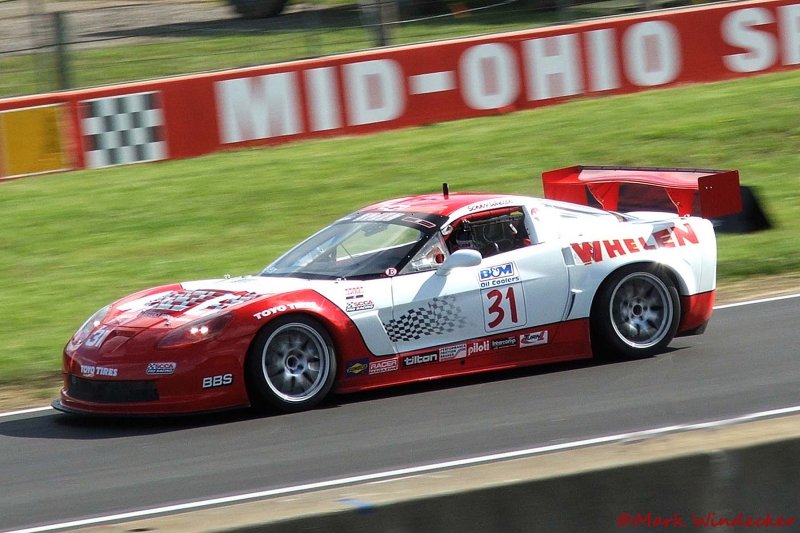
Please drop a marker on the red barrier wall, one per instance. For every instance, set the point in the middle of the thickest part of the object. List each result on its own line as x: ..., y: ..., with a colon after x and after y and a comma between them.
x: 421, y: 84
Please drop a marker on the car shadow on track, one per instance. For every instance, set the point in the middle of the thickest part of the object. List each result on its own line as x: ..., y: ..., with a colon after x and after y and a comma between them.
x: 62, y: 426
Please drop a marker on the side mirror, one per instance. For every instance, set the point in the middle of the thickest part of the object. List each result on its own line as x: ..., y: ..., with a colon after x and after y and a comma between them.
x: 458, y: 259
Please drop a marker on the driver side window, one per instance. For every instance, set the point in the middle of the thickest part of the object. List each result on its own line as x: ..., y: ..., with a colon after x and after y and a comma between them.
x: 490, y: 233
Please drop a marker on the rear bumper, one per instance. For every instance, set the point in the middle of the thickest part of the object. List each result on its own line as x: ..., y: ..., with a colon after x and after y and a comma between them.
x: 696, y: 310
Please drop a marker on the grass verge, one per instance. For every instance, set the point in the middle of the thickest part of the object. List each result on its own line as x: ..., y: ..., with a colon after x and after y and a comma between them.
x: 72, y: 242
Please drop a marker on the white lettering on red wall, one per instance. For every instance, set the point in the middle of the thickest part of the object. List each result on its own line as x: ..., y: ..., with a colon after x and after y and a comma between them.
x: 398, y: 87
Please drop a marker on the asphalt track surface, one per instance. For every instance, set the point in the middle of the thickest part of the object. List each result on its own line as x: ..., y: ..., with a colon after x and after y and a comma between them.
x: 56, y: 468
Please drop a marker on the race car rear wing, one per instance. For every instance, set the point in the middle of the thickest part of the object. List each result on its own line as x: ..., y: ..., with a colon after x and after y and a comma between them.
x: 689, y: 191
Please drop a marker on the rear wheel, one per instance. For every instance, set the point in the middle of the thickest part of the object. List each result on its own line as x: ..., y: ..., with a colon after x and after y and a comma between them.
x: 291, y: 364
x: 635, y: 314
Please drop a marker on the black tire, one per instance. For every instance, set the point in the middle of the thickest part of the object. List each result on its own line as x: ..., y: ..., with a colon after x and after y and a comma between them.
x: 635, y: 313
x: 258, y: 9
x: 291, y: 364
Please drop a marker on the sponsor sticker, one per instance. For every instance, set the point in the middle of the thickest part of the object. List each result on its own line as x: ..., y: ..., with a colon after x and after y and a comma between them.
x: 351, y: 293
x: 456, y: 351
x: 508, y: 342
x: 282, y: 309
x: 91, y: 371
x: 412, y: 360
x: 156, y: 369
x: 360, y: 305
x: 383, y: 365
x: 533, y: 339
x: 222, y: 380
x: 476, y: 348
x: 498, y: 275
x: 357, y: 367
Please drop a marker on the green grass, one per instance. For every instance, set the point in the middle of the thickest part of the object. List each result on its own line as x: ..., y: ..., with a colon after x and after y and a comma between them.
x: 72, y: 242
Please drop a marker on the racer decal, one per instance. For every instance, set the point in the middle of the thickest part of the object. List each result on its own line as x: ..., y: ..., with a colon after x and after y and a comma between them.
x: 439, y: 316
x: 593, y: 252
x: 383, y: 366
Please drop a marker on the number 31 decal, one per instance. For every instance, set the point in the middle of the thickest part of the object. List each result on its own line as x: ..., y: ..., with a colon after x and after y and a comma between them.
x: 503, y: 308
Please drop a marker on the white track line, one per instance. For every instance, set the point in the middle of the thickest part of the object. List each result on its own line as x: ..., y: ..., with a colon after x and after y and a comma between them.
x: 725, y: 306
x: 26, y: 411
x: 379, y: 476
x: 761, y: 301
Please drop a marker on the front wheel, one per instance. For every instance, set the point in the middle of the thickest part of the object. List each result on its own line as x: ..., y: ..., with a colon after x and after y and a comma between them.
x: 635, y: 314
x: 291, y: 364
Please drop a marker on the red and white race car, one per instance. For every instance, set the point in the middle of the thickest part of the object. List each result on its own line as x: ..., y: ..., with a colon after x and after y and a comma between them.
x: 418, y: 288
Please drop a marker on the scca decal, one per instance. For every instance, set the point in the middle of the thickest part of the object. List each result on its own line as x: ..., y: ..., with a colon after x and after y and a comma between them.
x: 596, y: 251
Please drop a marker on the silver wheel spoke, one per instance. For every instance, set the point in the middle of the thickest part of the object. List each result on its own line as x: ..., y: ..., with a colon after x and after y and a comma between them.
x: 641, y: 310
x: 296, y: 362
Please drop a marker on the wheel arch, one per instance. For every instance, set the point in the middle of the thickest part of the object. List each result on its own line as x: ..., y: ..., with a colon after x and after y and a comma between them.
x: 675, y: 276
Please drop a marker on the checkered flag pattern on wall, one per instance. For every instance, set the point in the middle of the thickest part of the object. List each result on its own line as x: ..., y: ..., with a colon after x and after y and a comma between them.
x: 123, y: 129
x: 440, y: 316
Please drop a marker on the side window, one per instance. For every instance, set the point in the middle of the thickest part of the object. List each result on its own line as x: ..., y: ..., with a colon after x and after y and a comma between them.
x: 490, y: 233
x: 429, y: 257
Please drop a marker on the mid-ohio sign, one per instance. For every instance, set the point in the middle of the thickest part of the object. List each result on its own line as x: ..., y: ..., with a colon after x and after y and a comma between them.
x: 406, y: 86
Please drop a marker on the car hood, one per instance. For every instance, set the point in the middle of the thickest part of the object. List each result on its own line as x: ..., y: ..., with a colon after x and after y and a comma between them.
x: 179, y: 304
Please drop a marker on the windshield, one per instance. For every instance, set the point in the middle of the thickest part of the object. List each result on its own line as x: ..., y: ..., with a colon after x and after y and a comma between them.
x: 361, y: 245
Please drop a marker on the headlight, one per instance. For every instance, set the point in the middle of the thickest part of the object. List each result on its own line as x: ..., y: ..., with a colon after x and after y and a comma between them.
x: 86, y: 329
x: 198, y: 331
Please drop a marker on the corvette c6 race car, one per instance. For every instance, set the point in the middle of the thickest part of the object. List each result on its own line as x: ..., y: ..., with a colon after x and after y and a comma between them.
x: 610, y: 263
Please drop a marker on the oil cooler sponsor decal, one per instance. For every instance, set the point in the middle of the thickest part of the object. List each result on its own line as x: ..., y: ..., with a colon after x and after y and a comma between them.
x: 412, y: 360
x: 162, y: 369
x: 596, y: 251
x: 498, y: 275
x: 456, y: 351
x: 89, y: 371
x: 533, y: 339
x: 357, y: 367
x: 383, y: 365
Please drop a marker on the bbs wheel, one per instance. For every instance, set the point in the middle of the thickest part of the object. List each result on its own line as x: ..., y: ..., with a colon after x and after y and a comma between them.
x: 291, y: 364
x: 635, y: 313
